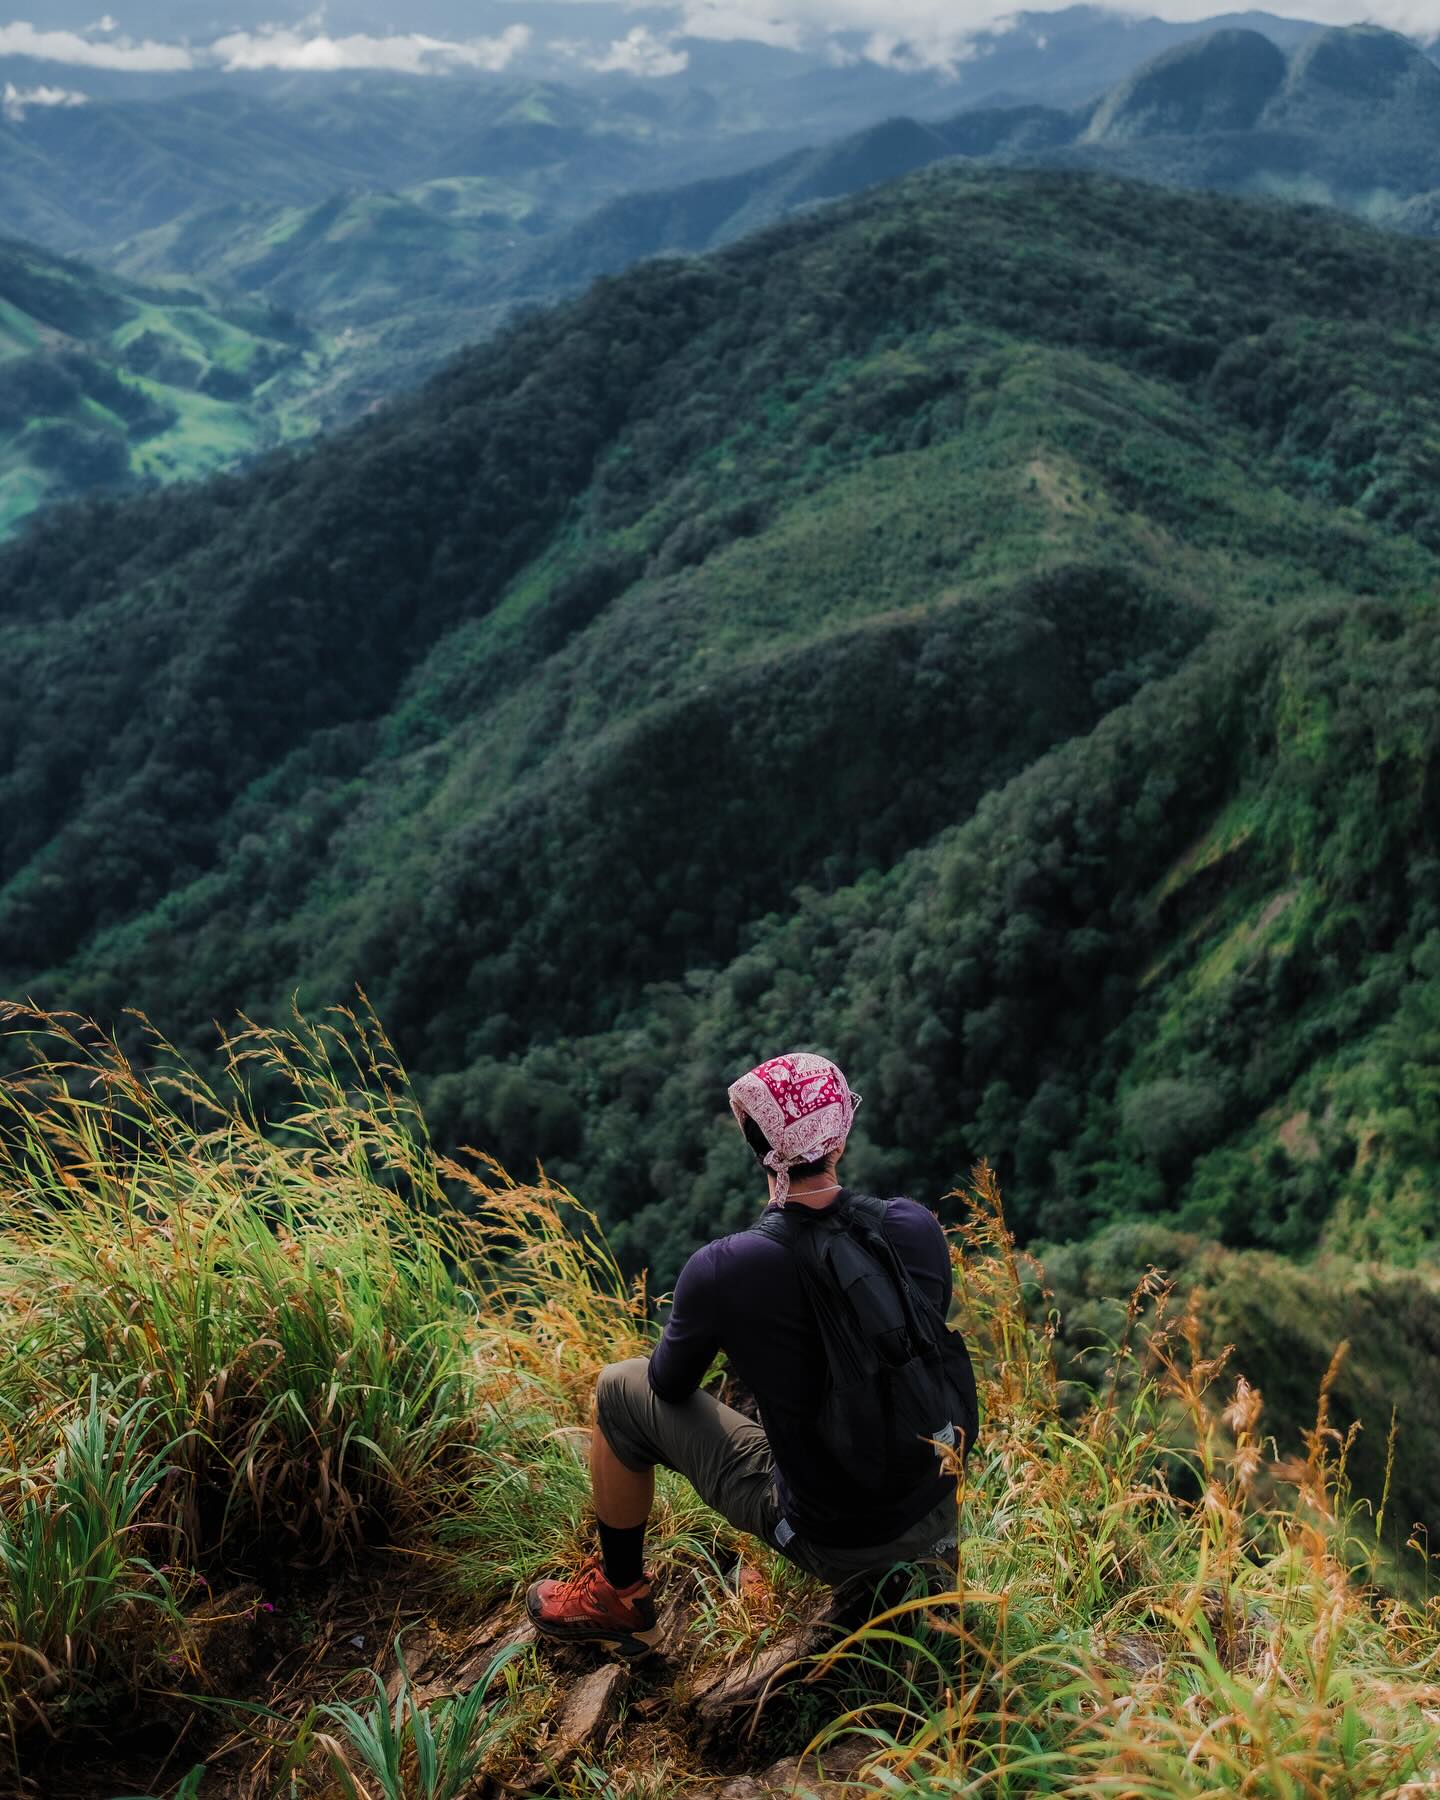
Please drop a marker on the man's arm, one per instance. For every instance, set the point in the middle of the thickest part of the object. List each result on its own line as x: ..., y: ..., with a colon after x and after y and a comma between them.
x: 923, y: 1247
x: 690, y: 1341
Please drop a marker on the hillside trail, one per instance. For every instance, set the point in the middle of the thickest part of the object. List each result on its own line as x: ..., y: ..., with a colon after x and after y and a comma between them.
x: 699, y: 1719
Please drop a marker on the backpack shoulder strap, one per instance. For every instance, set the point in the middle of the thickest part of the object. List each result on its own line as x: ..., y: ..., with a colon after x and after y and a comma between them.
x: 774, y: 1224
x: 866, y: 1220
x: 867, y: 1208
x: 785, y: 1228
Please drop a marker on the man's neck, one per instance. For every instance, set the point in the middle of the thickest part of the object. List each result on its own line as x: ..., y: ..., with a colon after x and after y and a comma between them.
x: 815, y: 1190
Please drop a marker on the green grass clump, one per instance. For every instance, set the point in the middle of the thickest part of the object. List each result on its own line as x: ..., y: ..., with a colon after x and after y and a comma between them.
x: 235, y: 1335
x: 243, y: 1341
x: 405, y: 1749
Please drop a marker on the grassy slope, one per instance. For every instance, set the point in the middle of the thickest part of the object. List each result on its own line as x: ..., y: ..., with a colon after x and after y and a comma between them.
x: 1144, y: 1595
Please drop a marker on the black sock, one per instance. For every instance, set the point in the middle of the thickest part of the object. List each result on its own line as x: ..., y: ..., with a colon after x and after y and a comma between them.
x: 622, y: 1552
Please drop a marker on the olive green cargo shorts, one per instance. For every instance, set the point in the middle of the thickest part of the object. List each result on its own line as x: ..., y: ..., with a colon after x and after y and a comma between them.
x: 726, y: 1458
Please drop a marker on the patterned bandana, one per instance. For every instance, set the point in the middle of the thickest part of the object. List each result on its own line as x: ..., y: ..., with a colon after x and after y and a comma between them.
x: 803, y: 1105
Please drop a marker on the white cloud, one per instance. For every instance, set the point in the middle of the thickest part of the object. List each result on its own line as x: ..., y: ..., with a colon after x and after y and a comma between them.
x: 281, y: 47
x: 22, y: 39
x: 732, y: 21
x: 14, y: 101
x: 925, y: 46
x: 906, y: 34
x: 938, y: 35
x: 903, y: 34
x: 641, y: 52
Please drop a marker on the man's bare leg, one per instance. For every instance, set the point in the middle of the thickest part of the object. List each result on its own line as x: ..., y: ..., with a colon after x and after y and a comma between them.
x: 623, y: 1498
x: 610, y: 1602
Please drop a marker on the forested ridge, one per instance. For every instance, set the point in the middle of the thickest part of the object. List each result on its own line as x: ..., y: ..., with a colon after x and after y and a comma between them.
x: 984, y: 630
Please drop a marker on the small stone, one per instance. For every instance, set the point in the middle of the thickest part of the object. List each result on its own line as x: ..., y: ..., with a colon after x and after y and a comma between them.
x: 675, y: 1619
x: 719, y: 1703
x: 523, y: 1633
x: 584, y: 1714
x: 589, y: 1707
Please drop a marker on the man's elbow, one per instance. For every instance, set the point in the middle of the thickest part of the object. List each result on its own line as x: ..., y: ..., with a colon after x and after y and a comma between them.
x: 664, y: 1386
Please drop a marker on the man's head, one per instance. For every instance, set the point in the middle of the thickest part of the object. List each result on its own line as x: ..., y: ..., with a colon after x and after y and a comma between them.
x: 762, y: 1146
x: 795, y: 1112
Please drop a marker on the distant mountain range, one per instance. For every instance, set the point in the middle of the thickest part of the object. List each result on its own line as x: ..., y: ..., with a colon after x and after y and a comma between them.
x: 387, y: 221
x: 1351, y: 118
x: 87, y: 178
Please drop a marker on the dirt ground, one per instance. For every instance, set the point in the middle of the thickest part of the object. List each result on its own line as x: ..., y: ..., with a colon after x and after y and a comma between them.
x: 256, y: 1658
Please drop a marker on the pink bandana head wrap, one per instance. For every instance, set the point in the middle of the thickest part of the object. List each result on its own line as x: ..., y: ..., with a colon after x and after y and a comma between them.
x: 803, y: 1105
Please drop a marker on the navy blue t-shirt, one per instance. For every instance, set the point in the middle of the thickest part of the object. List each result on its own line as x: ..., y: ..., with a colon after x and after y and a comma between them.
x: 742, y: 1295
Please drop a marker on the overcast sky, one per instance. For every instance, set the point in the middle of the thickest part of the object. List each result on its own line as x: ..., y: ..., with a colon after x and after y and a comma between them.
x: 178, y: 35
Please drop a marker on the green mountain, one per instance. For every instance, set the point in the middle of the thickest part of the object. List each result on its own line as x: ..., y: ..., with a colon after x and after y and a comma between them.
x: 115, y: 169
x: 105, y: 383
x: 1353, y: 119
x: 985, y: 628
x: 947, y: 626
x: 1220, y: 83
x: 391, y: 281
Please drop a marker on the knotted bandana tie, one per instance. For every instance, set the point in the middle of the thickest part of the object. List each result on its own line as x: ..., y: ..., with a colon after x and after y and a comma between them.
x: 804, y: 1107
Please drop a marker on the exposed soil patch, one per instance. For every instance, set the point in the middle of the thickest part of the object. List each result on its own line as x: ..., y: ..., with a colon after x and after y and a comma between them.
x: 1275, y: 907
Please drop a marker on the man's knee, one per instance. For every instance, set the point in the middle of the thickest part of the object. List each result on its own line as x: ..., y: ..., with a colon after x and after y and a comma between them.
x: 622, y: 1394
x: 618, y: 1382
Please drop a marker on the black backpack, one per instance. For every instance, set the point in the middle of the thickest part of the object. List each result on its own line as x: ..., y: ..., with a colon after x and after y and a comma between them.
x: 899, y: 1380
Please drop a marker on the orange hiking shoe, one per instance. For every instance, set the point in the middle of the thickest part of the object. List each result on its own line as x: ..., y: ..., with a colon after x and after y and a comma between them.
x: 585, y: 1609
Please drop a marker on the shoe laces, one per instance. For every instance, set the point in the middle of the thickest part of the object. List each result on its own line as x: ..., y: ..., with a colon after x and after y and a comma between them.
x: 581, y: 1585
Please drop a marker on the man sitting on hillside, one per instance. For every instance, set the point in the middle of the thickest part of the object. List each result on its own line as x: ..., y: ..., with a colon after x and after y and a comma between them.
x: 746, y: 1296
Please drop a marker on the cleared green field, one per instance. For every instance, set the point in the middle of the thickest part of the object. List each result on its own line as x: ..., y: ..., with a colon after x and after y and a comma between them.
x: 103, y: 383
